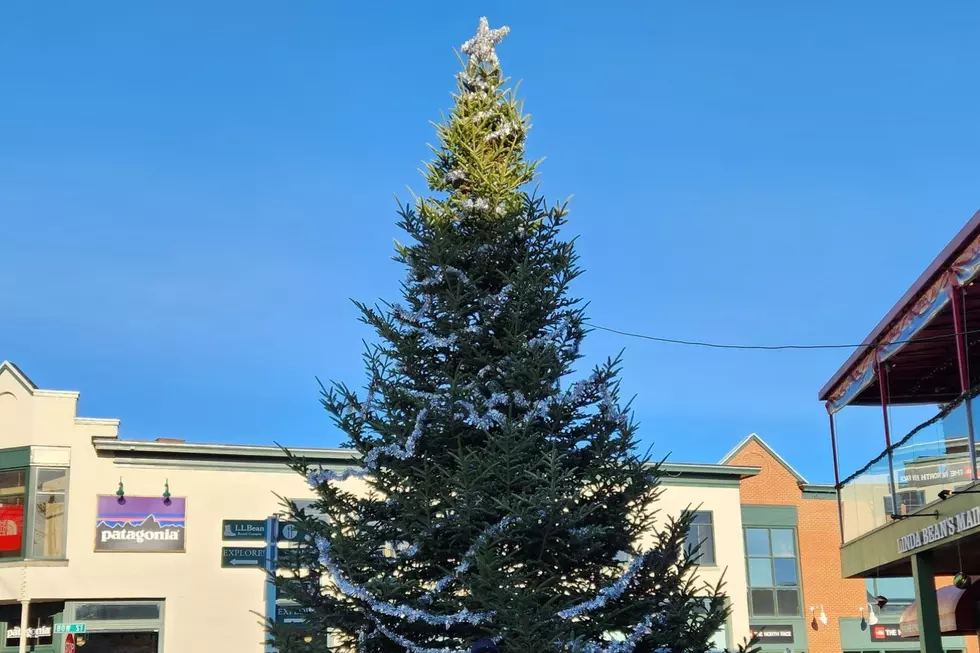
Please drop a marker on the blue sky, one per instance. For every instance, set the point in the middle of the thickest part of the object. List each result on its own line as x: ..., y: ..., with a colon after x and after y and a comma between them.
x: 191, y: 192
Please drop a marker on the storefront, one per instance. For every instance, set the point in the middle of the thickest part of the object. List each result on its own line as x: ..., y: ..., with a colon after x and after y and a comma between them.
x: 158, y: 546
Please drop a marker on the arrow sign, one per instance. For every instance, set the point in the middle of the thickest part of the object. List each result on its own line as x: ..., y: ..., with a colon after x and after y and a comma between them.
x: 243, y: 556
x: 288, y: 614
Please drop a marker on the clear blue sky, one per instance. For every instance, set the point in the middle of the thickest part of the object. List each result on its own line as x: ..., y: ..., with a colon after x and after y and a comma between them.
x: 190, y: 192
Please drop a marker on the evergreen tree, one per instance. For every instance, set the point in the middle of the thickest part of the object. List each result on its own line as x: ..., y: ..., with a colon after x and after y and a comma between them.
x: 502, y: 499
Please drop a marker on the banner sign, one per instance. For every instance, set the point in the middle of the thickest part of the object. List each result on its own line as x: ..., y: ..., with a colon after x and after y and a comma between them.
x: 887, y: 633
x: 964, y: 521
x: 142, y: 524
x: 11, y: 528
x: 782, y: 634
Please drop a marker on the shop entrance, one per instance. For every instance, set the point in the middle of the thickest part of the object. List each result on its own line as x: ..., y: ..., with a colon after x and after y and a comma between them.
x: 120, y: 642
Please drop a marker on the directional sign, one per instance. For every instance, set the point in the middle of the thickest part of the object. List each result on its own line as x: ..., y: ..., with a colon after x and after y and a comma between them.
x: 293, y: 615
x: 243, y: 556
x: 69, y: 628
x: 243, y: 529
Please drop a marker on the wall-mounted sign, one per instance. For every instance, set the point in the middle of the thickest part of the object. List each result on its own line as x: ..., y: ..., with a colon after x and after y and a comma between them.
x: 42, y: 631
x: 142, y: 524
x: 243, y: 529
x: 782, y: 634
x: 243, y: 556
x: 940, y: 530
x: 887, y: 633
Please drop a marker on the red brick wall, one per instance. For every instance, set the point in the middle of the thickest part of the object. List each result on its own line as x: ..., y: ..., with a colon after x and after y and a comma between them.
x: 819, y: 545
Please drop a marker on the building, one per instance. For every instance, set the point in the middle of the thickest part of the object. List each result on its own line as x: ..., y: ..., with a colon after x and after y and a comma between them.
x: 797, y: 597
x: 133, y: 540
x: 914, y: 509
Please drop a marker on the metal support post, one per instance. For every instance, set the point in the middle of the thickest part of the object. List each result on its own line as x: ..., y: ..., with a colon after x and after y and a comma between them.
x: 930, y: 636
x: 883, y: 393
x: 956, y: 297
x: 833, y: 449
x: 271, y: 565
x: 24, y: 623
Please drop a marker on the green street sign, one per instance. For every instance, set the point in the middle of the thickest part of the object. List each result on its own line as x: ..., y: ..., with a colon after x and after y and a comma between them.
x: 291, y: 532
x: 291, y: 615
x: 69, y: 628
x: 243, y: 556
x: 243, y: 529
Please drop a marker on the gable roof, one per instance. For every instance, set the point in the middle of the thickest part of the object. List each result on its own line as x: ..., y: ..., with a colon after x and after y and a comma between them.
x: 753, y: 437
x: 7, y: 366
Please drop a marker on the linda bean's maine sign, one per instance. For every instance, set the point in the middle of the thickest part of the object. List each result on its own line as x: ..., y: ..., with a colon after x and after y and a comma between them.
x: 144, y: 524
x: 940, y: 530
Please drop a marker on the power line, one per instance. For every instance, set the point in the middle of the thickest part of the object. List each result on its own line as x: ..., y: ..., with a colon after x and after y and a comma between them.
x: 717, y: 345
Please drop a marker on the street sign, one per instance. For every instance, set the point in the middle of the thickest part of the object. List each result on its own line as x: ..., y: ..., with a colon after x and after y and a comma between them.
x: 70, y: 644
x: 243, y: 556
x: 243, y: 529
x: 293, y: 615
x: 69, y: 628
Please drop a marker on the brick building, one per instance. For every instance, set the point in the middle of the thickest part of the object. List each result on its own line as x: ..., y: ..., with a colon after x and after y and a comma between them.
x: 790, y: 522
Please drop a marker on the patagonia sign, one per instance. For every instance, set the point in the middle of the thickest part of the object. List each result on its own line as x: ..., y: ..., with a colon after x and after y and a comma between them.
x: 964, y: 521
x: 141, y: 524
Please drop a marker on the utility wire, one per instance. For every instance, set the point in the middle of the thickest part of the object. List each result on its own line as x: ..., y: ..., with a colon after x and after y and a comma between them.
x: 718, y: 345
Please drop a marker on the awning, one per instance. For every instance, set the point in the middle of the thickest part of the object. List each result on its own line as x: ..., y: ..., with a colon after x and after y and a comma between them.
x: 957, y: 612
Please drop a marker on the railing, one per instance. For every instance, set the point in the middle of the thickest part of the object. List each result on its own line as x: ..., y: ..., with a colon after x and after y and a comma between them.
x: 933, y: 456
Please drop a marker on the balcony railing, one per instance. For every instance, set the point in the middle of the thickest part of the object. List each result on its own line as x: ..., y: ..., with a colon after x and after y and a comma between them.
x: 932, y: 456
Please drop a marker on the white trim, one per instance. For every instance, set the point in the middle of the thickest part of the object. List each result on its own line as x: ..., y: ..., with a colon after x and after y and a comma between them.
x: 96, y: 421
x: 754, y: 437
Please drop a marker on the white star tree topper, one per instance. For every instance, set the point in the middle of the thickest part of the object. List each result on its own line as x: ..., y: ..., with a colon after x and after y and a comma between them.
x: 480, y: 47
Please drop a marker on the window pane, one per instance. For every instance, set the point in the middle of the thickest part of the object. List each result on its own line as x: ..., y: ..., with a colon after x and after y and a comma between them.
x: 700, y: 538
x: 701, y: 518
x: 760, y: 572
x: 788, y: 602
x: 896, y: 589
x: 12, y: 494
x: 762, y: 603
x: 49, y: 526
x: 785, y: 569
x: 115, y: 611
x: 757, y: 541
x: 52, y: 480
x: 782, y: 543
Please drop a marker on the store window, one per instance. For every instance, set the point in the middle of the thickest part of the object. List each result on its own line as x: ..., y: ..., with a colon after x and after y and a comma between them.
x: 900, y: 593
x: 33, y: 512
x: 774, y: 586
x: 40, y: 625
x: 701, y: 539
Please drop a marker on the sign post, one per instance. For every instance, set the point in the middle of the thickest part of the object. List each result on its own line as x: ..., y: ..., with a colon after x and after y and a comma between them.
x: 271, y: 565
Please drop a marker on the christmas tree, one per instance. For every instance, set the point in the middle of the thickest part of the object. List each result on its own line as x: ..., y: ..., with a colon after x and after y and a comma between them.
x: 495, y: 497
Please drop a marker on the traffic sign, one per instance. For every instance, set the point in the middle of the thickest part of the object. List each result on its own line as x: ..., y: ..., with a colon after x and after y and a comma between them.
x: 69, y: 628
x: 243, y: 556
x: 70, y: 644
x: 243, y: 529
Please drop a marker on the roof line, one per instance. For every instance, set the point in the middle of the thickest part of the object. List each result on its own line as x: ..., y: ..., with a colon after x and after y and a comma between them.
x: 754, y: 437
x: 18, y: 374
x: 955, y: 246
x: 345, y: 456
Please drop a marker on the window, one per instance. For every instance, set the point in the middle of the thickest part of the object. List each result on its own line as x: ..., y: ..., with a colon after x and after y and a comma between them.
x: 774, y: 585
x: 50, y: 494
x: 33, y: 517
x: 701, y: 538
x: 908, y: 501
x: 13, y: 493
x: 900, y: 593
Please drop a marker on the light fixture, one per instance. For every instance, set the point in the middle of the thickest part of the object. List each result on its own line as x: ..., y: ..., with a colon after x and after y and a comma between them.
x: 872, y: 615
x: 121, y: 493
x: 308, y: 639
x: 882, y: 601
x: 823, y: 616
x: 946, y: 493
